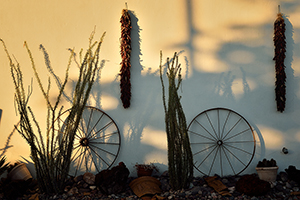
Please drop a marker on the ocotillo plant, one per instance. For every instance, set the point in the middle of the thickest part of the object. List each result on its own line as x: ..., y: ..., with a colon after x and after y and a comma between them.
x: 52, y: 155
x: 180, y: 158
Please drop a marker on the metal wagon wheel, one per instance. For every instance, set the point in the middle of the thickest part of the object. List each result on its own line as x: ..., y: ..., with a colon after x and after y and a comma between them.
x: 222, y: 142
x: 97, y: 141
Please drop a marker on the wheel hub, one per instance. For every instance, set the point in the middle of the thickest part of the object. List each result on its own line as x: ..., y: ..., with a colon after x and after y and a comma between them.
x: 220, y: 142
x: 84, y: 142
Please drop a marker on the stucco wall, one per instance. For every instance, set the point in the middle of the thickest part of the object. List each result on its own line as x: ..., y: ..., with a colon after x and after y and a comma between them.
x: 226, y: 51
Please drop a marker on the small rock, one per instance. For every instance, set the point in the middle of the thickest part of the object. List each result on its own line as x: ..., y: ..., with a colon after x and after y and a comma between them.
x: 92, y: 187
x: 293, y: 183
x: 165, y: 186
x: 64, y: 196
x: 287, y: 185
x: 283, y: 176
x: 280, y: 194
x: 273, y: 184
x: 166, y: 194
x: 224, y: 180
x: 182, y: 194
x: 113, y: 181
x: 188, y: 193
x: 231, y: 189
x: 195, y: 190
x: 67, y: 188
x: 279, y: 187
x: 80, y: 182
x: 69, y: 182
x: 78, y: 178
x: 112, y: 196
x: 213, y: 194
x: 89, y: 178
x: 85, y: 185
x: 83, y: 190
x: 252, y: 185
x: 73, y: 191
x: 165, y: 174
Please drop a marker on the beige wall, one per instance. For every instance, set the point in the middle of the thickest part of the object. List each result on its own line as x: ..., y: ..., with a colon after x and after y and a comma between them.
x: 222, y: 44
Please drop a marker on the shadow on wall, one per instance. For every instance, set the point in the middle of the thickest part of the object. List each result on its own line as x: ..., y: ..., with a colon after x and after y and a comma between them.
x: 143, y: 111
x: 291, y: 81
x: 241, y: 88
x: 7, y: 146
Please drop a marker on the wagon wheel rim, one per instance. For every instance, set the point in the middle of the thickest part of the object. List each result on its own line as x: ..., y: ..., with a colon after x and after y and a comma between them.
x: 222, y: 142
x: 97, y: 141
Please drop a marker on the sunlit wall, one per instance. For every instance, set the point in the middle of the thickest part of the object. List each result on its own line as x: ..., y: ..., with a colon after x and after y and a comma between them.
x: 225, y: 48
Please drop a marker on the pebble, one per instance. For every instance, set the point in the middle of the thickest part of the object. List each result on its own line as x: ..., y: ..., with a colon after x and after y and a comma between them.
x: 92, y: 187
x: 89, y: 178
x: 195, y: 190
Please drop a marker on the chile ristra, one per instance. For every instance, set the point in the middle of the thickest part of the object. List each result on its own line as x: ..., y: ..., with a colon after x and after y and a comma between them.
x: 125, y: 84
x: 280, y: 45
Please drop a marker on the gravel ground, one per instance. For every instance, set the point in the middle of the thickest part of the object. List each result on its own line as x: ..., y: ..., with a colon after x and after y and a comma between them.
x: 282, y: 188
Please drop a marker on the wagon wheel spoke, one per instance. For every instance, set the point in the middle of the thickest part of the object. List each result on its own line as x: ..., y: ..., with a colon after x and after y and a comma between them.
x: 205, y: 130
x: 103, y: 136
x: 207, y: 156
x: 203, y: 150
x: 100, y: 157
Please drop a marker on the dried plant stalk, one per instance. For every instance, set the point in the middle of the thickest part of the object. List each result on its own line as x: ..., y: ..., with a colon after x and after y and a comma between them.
x: 125, y: 84
x: 52, y: 155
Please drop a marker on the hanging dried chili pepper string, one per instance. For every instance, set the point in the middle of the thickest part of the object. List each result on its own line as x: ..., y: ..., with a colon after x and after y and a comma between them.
x: 125, y: 84
x: 280, y: 49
